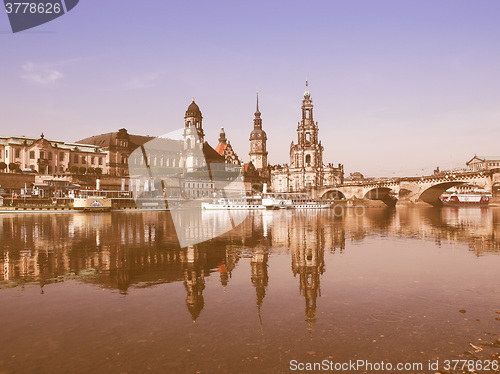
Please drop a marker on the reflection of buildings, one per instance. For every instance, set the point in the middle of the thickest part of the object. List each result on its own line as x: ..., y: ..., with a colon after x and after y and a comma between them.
x: 308, y: 263
x: 227, y: 265
x: 134, y: 250
x: 307, y: 250
x: 193, y: 261
x: 260, y: 276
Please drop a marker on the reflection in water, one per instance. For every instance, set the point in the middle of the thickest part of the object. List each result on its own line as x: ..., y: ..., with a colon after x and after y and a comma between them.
x: 128, y: 251
x: 120, y: 250
x: 194, y: 280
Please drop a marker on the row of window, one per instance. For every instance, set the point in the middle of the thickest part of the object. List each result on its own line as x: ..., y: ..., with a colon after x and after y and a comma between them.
x: 197, y: 185
x: 483, y: 165
x: 76, y: 158
x: 84, y: 160
x: 168, y: 162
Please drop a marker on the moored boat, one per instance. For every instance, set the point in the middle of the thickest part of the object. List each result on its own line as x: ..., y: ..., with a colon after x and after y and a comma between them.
x: 92, y: 203
x: 250, y: 203
x: 466, y: 199
x: 268, y: 201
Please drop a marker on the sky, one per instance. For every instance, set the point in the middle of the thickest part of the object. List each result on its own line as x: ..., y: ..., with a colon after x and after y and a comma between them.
x: 399, y: 86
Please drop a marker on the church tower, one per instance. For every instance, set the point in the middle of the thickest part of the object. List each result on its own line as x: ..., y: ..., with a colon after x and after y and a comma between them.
x: 308, y: 152
x: 193, y: 139
x: 258, y: 140
x: 306, y: 171
x: 193, y: 118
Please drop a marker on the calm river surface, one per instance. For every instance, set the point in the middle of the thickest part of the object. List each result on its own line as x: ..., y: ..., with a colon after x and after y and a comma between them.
x: 114, y: 293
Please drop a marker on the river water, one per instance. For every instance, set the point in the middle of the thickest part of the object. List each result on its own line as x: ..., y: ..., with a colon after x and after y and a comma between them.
x: 113, y: 292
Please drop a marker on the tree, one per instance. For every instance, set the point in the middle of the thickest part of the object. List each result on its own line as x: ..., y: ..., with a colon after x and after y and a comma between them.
x: 13, y: 166
x: 98, y: 171
x: 82, y: 170
x: 3, y: 166
x: 90, y: 170
x: 73, y: 169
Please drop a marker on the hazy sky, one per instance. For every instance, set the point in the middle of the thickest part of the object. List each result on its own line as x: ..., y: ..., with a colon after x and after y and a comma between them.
x: 399, y: 86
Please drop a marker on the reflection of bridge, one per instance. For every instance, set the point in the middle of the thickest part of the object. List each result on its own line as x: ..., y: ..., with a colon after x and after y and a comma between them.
x: 412, y: 190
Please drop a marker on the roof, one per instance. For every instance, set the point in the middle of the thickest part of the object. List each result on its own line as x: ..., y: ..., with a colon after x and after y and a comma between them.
x: 249, y: 166
x: 484, y: 159
x: 258, y: 134
x: 221, y: 148
x: 211, y: 155
x: 107, y: 139
x: 162, y: 145
x: 28, y: 142
x: 193, y: 110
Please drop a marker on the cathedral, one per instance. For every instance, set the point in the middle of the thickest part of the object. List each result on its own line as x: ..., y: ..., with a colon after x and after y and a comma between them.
x: 306, y: 171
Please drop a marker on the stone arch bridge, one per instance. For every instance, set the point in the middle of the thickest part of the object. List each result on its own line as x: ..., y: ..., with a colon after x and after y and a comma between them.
x: 426, y: 189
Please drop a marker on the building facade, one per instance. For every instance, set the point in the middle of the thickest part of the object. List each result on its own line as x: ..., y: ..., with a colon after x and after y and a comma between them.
x: 51, y: 157
x: 118, y: 146
x: 481, y: 163
x: 306, y: 170
x: 225, y: 149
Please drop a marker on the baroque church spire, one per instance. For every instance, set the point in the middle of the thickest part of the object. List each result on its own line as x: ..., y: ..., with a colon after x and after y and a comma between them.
x: 258, y: 139
x: 307, y: 94
x: 257, y: 101
x: 257, y: 112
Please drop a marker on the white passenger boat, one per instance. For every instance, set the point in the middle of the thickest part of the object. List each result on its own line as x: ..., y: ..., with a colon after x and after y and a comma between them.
x: 267, y: 201
x: 246, y: 203
x: 272, y: 201
x: 302, y: 201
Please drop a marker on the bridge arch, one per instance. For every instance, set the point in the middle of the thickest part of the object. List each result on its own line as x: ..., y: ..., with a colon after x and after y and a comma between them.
x: 404, y: 192
x: 432, y: 194
x: 384, y: 194
x: 495, y: 189
x: 334, y: 195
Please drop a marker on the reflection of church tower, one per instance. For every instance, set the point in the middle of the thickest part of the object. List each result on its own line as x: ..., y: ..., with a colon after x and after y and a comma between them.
x: 308, y: 263
x: 194, y: 280
x: 260, y: 276
x: 227, y: 265
x: 258, y: 139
